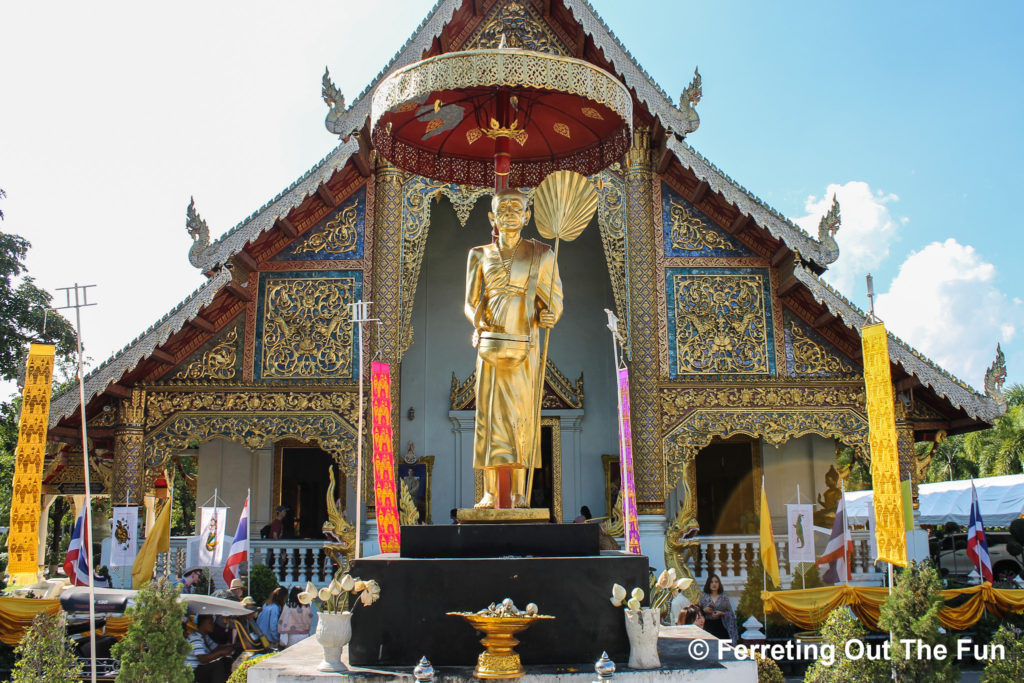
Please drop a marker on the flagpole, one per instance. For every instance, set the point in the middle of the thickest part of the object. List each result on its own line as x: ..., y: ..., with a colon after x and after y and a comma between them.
x: 764, y: 568
x: 248, y: 561
x: 846, y: 557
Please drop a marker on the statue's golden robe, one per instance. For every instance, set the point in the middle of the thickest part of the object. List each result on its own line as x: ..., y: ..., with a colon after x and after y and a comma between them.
x: 496, y: 301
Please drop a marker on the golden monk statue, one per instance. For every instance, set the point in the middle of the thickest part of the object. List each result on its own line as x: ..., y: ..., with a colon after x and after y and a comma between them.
x: 512, y: 288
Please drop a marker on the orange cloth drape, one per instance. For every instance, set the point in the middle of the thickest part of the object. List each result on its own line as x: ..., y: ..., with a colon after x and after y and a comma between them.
x: 16, y: 615
x: 809, y: 608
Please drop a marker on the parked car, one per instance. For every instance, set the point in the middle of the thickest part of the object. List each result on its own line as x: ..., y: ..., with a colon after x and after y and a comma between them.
x: 952, y: 555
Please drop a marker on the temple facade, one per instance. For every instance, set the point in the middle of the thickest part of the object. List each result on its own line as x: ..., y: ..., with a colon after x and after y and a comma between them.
x: 743, y: 363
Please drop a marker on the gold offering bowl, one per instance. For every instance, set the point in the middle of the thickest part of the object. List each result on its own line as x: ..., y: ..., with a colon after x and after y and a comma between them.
x: 499, y: 659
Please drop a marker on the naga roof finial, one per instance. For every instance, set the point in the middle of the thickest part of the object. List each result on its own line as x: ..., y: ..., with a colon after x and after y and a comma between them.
x: 994, y: 378
x: 827, y: 228
x: 199, y: 231
x: 333, y: 97
x: 689, y: 98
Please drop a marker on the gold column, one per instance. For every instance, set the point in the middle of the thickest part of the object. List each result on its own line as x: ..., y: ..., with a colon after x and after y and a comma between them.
x: 129, y: 483
x: 643, y: 325
x: 386, y: 292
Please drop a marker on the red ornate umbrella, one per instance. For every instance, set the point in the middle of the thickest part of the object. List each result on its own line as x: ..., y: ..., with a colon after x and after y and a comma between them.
x: 501, y: 115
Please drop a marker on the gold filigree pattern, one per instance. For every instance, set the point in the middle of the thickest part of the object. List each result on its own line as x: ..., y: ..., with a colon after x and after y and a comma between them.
x: 339, y: 236
x: 253, y: 430
x: 611, y: 220
x: 217, y: 363
x: 518, y: 24
x: 641, y: 251
x: 162, y: 405
x: 812, y: 358
x: 473, y: 134
x: 307, y: 328
x: 687, y: 232
x: 561, y: 129
x: 591, y: 113
x: 721, y: 325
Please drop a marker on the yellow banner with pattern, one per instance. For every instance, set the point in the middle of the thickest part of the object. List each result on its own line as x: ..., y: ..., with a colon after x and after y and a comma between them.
x: 885, y: 463
x: 23, y: 539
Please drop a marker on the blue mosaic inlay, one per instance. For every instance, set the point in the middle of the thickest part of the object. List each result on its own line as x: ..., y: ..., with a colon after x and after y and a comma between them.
x: 688, y: 232
x: 338, y: 237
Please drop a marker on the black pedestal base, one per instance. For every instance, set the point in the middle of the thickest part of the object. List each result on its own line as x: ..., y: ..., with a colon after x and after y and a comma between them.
x: 501, y: 540
x: 409, y: 620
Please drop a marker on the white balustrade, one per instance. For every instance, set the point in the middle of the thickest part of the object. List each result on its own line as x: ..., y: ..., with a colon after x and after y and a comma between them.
x: 294, y: 561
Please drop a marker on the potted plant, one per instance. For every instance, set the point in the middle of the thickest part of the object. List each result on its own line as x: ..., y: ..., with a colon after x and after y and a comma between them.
x: 642, y: 623
x: 334, y: 624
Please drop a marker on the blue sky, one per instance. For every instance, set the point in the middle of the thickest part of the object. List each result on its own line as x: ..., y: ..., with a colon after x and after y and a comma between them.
x: 114, y: 115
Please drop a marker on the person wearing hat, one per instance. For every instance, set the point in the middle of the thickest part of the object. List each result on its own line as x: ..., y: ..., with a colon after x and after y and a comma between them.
x: 233, y: 592
x: 210, y: 662
x: 277, y: 526
x: 189, y: 581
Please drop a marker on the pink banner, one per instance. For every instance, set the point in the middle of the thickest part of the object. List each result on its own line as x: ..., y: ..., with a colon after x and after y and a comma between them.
x: 388, y: 527
x: 627, y: 487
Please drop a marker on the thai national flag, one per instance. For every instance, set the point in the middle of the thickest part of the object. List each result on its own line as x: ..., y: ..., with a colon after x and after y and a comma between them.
x: 239, y: 551
x: 76, y: 562
x: 977, y: 547
x: 839, y: 549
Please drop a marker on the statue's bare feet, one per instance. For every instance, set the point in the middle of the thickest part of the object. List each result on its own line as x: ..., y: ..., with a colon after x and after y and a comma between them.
x: 519, y: 500
x: 486, y: 502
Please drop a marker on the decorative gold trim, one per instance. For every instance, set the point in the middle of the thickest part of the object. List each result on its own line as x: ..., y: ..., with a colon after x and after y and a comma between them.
x: 519, y: 26
x: 502, y: 67
x: 609, y: 482
x: 812, y: 358
x: 217, y: 363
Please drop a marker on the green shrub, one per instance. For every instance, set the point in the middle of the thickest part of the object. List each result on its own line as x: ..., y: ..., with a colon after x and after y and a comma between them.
x: 154, y: 647
x: 751, y: 604
x: 1010, y: 667
x: 767, y: 670
x: 262, y: 582
x: 912, y: 612
x: 241, y: 675
x: 840, y: 627
x: 45, y: 655
x: 806, y: 576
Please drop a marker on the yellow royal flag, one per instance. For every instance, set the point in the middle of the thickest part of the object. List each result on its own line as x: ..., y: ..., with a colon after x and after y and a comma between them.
x: 885, y: 464
x: 769, y: 556
x: 158, y: 541
x: 26, y: 486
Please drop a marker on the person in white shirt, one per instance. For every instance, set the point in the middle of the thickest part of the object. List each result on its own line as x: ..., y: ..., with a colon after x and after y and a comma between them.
x: 211, y: 663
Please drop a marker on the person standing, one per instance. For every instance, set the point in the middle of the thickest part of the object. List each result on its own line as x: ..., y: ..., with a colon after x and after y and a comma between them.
x: 277, y: 526
x: 270, y: 615
x: 719, y: 619
x: 295, y: 620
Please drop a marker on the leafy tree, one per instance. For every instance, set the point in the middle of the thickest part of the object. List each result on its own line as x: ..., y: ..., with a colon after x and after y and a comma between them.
x: 1008, y: 669
x: 806, y: 576
x: 840, y: 627
x: 154, y: 647
x: 859, y: 477
x: 767, y: 670
x: 912, y: 612
x: 45, y: 654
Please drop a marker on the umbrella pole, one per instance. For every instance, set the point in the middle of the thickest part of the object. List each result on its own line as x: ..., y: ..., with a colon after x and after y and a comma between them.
x: 540, y: 391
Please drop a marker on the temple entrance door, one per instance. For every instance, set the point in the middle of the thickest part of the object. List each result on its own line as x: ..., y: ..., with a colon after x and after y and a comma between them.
x: 301, y: 484
x: 725, y: 488
x: 547, y: 479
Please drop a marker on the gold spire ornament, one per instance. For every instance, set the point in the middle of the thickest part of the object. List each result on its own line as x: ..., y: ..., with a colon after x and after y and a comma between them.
x: 564, y: 204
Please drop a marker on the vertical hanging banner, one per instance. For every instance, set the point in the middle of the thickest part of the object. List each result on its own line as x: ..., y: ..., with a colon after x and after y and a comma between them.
x: 388, y: 529
x: 800, y: 533
x: 885, y: 465
x: 627, y: 486
x: 23, y: 538
x: 212, y: 522
x: 124, y: 544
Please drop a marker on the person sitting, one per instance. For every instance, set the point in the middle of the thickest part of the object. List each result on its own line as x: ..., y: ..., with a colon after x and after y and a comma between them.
x: 719, y: 619
x: 690, y: 615
x: 211, y: 663
x: 584, y: 516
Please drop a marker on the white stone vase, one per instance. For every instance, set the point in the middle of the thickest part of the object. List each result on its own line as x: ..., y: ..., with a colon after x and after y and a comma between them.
x: 642, y: 628
x: 333, y: 631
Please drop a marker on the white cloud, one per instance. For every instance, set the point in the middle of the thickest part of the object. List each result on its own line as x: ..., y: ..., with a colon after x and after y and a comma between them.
x: 868, y: 229
x: 944, y: 302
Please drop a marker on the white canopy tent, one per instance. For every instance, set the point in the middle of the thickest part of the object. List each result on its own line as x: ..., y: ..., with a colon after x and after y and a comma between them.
x: 1001, y: 500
